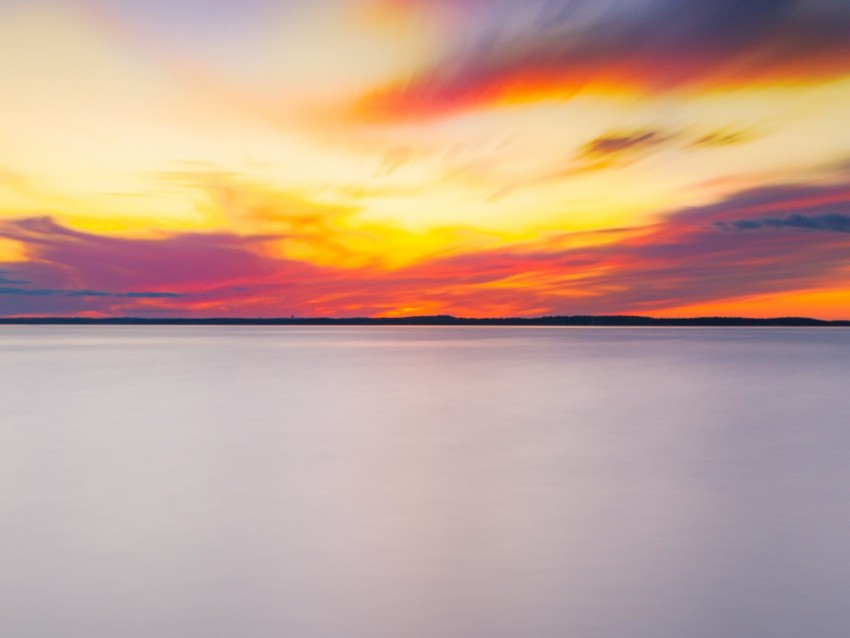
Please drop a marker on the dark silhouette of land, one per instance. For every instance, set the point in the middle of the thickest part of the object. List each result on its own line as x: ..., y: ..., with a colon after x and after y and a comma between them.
x: 437, y: 320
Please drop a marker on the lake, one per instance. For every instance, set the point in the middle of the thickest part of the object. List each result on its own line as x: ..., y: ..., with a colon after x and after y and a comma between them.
x: 424, y: 482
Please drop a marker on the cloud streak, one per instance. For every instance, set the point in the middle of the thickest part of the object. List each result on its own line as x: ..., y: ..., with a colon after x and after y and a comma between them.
x: 829, y: 222
x: 786, y: 238
x: 46, y: 292
x: 560, y: 47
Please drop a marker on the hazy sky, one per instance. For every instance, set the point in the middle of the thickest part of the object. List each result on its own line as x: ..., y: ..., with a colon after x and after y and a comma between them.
x: 396, y: 157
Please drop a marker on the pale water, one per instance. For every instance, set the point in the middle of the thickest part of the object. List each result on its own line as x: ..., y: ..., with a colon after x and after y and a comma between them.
x: 199, y: 482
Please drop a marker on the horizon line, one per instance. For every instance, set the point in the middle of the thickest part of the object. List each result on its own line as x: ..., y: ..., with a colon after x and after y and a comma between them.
x: 424, y: 320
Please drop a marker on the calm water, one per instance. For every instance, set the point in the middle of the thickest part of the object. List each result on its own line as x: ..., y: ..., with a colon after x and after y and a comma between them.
x: 424, y: 482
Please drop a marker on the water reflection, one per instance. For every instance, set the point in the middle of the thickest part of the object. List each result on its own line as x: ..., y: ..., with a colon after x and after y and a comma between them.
x: 419, y: 482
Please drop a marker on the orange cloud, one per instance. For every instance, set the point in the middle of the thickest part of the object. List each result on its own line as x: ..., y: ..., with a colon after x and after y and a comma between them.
x: 557, y: 49
x: 772, y: 244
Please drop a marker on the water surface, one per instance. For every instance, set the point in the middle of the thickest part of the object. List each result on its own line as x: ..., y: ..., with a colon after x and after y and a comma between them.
x: 419, y: 482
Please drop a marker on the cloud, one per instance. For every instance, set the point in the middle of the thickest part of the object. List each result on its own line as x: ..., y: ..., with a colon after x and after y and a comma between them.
x: 297, y: 225
x: 256, y: 207
x: 620, y: 148
x: 559, y: 47
x: 756, y: 242
x: 687, y: 257
x: 101, y: 261
x: 829, y: 222
x: 7, y: 281
x: 620, y: 143
x: 108, y: 274
x: 46, y: 292
x: 612, y: 150
x: 722, y: 137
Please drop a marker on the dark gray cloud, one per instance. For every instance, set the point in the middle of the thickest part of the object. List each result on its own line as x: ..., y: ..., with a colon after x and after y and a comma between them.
x: 5, y: 280
x: 829, y: 222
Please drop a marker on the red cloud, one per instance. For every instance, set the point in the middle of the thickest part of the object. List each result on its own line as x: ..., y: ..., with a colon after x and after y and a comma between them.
x: 785, y: 239
x: 561, y: 47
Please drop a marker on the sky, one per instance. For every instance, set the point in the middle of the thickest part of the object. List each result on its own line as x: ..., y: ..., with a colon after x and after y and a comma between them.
x: 197, y: 158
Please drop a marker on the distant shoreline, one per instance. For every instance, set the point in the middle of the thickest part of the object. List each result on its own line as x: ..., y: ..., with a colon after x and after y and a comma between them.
x: 438, y: 320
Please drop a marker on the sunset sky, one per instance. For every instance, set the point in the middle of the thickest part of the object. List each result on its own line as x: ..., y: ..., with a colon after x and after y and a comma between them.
x: 412, y: 157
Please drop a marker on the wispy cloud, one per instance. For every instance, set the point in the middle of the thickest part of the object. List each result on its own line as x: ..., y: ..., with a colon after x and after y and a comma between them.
x: 722, y: 137
x: 563, y: 46
x: 354, y: 156
x: 613, y: 144
x: 47, y: 292
x: 827, y: 222
x: 756, y: 242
